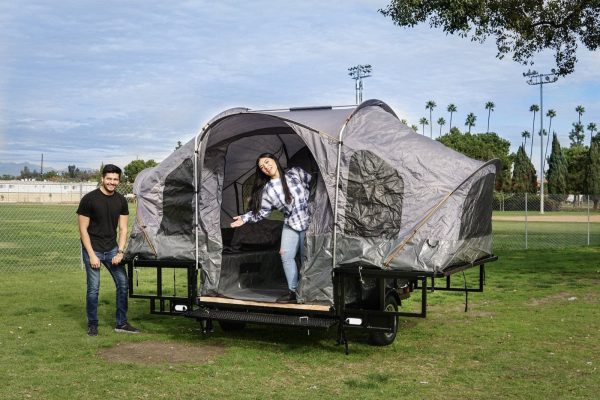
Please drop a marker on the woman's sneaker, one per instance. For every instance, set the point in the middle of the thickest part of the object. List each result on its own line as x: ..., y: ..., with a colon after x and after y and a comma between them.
x: 126, y: 328
x: 289, y: 297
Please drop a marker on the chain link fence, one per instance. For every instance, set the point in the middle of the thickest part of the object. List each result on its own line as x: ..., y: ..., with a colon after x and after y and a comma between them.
x: 38, y: 224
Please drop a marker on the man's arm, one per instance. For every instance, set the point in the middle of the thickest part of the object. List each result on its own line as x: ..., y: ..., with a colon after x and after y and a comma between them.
x: 123, y: 221
x: 84, y: 223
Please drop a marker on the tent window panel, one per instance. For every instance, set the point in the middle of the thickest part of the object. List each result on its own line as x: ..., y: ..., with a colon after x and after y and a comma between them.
x: 476, y: 219
x: 374, y: 199
x: 178, y: 214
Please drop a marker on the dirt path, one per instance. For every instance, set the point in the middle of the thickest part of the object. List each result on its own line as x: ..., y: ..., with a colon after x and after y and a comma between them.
x: 549, y: 218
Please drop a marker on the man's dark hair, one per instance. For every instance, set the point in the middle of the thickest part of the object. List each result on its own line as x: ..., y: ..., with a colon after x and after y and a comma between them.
x: 110, y: 169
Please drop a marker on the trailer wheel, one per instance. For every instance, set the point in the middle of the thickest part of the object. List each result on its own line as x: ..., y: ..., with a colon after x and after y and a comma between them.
x: 232, y: 326
x: 386, y: 338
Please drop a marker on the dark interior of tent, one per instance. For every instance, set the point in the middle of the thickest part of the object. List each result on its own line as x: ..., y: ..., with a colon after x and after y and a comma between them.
x: 251, y: 267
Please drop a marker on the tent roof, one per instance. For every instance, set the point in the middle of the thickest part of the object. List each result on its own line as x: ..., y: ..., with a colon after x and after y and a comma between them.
x: 325, y: 119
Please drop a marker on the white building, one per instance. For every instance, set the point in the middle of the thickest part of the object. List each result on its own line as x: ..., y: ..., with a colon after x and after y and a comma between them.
x: 44, y: 192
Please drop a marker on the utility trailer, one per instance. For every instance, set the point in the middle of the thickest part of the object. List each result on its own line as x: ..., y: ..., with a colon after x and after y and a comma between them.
x: 375, y: 310
x: 391, y: 212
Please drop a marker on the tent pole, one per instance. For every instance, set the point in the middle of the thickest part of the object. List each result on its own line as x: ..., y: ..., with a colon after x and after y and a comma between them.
x: 196, y: 222
x: 337, y: 191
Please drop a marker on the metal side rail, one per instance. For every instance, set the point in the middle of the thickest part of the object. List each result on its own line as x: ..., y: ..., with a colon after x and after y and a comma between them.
x: 262, y: 318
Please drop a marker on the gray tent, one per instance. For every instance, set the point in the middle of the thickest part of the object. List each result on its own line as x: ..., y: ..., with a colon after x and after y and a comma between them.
x: 383, y: 197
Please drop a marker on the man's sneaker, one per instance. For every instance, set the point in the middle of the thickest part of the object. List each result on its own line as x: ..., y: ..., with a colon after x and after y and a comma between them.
x: 126, y: 328
x: 92, y: 330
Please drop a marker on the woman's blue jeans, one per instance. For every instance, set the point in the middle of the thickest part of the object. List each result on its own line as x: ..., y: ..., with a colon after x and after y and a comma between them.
x: 118, y: 274
x: 292, y: 242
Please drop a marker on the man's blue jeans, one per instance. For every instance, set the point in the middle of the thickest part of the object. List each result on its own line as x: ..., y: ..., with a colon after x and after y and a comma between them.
x: 118, y: 274
x: 291, y: 242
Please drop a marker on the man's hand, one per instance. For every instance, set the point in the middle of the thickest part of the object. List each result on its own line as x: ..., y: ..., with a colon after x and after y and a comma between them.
x: 237, y: 222
x: 116, y: 260
x: 94, y: 261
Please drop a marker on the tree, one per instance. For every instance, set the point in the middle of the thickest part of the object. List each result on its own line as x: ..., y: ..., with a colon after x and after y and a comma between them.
x: 577, y: 134
x: 524, y: 178
x: 132, y: 169
x: 415, y: 128
x: 451, y: 109
x: 441, y: 122
x: 591, y: 183
x: 430, y: 105
x: 525, y: 135
x: 26, y: 173
x: 576, y: 157
x: 490, y: 107
x: 533, y: 108
x: 580, y: 110
x: 550, y: 114
x: 423, y: 121
x: 592, y: 128
x: 557, y: 169
x: 482, y: 146
x: 522, y: 28
x: 470, y: 121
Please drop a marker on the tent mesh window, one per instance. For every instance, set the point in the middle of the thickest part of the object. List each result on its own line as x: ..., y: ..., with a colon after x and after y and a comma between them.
x: 374, y: 199
x: 476, y: 219
x: 178, y: 194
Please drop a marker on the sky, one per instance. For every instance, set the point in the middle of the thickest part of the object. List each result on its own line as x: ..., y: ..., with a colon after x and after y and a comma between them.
x: 92, y: 82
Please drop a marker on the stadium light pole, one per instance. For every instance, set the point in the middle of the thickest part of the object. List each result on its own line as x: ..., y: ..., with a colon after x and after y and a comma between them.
x: 358, y: 73
x: 534, y: 78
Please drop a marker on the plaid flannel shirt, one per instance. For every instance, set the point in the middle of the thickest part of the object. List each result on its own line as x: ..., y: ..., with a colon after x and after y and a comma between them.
x: 296, y: 214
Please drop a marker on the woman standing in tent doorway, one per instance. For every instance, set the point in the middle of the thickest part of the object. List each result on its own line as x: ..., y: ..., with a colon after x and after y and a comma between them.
x: 286, y: 191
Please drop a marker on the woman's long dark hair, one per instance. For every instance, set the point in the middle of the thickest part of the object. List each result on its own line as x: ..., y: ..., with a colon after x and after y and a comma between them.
x: 260, y: 180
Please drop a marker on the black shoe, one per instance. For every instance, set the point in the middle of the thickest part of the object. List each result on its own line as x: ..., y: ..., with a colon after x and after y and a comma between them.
x: 126, y: 328
x: 289, y: 297
x: 92, y: 330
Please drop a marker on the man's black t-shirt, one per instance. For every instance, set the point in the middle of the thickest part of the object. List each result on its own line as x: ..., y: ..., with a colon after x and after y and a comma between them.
x: 103, y: 212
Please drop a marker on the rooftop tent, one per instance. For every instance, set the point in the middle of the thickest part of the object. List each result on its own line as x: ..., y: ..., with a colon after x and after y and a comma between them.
x: 383, y: 196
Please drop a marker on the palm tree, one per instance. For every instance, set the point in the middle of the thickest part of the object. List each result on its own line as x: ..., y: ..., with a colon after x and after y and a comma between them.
x: 430, y: 105
x: 550, y: 114
x: 525, y: 135
x: 470, y: 122
x: 451, y: 109
x: 592, y: 128
x: 490, y: 107
x: 415, y: 128
x: 580, y: 110
x: 534, y: 108
x: 423, y: 121
x: 441, y: 122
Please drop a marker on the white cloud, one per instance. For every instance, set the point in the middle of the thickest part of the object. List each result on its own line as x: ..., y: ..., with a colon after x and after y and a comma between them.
x: 135, y: 77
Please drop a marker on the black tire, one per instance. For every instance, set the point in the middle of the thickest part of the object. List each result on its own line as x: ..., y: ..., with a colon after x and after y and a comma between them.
x: 386, y: 338
x: 232, y: 326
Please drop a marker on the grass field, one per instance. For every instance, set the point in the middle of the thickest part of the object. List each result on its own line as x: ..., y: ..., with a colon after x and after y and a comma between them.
x: 534, y: 333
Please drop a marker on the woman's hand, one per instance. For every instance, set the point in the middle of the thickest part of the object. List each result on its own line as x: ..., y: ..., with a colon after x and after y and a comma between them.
x: 237, y: 222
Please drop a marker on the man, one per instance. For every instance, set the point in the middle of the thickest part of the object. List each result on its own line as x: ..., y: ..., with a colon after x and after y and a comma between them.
x: 100, y: 213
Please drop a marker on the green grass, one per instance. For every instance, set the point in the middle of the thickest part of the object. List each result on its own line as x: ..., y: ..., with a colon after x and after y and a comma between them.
x: 540, y: 235
x: 534, y: 333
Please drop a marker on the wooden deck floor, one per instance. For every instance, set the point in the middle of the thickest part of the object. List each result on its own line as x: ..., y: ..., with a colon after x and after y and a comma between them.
x: 223, y: 300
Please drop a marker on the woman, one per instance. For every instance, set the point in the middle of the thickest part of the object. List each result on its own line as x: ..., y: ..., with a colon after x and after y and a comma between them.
x: 286, y: 191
